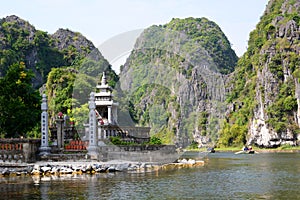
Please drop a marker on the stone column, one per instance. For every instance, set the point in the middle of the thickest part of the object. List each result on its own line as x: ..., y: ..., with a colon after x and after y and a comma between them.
x: 104, y: 133
x: 93, y: 136
x: 115, y: 115
x: 44, y: 149
x: 60, y: 135
x: 109, y: 114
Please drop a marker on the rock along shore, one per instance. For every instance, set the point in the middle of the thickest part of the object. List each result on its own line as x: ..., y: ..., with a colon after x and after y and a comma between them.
x: 89, y: 167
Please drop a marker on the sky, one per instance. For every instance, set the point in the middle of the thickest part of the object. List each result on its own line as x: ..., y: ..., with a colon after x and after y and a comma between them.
x: 106, y: 21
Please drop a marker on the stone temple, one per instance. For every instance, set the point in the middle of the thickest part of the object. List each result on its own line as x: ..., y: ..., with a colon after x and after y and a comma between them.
x: 103, y: 121
x: 106, y: 109
x: 102, y: 126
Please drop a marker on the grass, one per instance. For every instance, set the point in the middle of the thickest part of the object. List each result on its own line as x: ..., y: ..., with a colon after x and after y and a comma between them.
x: 196, y: 149
x: 224, y: 149
x: 288, y: 147
x: 282, y: 148
x: 229, y: 149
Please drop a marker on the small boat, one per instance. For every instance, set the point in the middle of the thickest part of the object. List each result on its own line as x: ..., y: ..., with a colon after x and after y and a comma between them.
x: 245, y: 152
x: 211, y: 150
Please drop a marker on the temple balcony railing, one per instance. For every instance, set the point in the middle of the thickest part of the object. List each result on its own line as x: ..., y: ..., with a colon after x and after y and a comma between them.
x: 126, y: 133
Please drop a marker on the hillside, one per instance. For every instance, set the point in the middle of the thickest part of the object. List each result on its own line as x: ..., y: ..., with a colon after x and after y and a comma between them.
x: 65, y: 65
x: 175, y: 79
x: 266, y: 94
x: 20, y: 41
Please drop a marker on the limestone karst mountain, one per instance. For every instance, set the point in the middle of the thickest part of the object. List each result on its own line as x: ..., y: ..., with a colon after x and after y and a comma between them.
x: 176, y: 78
x: 183, y: 80
x: 265, y: 95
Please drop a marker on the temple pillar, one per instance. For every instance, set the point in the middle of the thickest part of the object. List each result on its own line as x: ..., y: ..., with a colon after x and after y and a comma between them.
x: 115, y: 115
x: 93, y: 136
x: 60, y: 135
x: 44, y: 149
x: 109, y: 114
x: 100, y: 133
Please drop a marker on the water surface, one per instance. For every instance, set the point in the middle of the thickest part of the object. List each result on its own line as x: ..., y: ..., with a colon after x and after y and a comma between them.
x: 224, y: 176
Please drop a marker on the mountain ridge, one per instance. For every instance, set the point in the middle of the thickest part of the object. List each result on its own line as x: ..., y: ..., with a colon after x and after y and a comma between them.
x: 42, y: 51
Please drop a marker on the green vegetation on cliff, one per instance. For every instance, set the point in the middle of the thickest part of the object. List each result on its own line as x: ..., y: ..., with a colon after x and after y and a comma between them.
x: 207, y: 34
x: 66, y: 62
x: 20, y: 42
x: 263, y: 80
x: 182, y: 43
x: 170, y: 74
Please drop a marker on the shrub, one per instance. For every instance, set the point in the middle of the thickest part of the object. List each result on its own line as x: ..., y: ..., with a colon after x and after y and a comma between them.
x: 155, y: 140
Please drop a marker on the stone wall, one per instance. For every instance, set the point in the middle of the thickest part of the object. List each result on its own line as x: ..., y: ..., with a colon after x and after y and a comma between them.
x: 139, y: 153
x: 19, y: 150
x: 135, y: 134
x: 26, y: 151
x: 65, y: 157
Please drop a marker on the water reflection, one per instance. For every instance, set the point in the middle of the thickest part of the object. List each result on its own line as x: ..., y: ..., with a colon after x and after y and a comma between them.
x: 224, y: 176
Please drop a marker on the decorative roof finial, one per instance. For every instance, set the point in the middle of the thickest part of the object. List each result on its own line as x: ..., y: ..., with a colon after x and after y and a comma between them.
x: 103, y: 81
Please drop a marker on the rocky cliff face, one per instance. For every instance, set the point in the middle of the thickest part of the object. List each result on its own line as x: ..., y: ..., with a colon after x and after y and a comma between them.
x: 176, y: 77
x: 266, y: 81
x: 282, y: 49
x: 66, y: 40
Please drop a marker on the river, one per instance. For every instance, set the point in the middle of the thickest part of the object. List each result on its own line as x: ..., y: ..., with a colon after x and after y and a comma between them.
x: 224, y: 176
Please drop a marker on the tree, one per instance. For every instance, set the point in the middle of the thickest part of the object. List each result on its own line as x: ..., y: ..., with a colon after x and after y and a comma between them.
x: 19, y: 102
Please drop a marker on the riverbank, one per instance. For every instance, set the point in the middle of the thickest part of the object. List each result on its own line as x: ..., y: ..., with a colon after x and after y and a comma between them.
x: 89, y: 167
x: 283, y: 149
